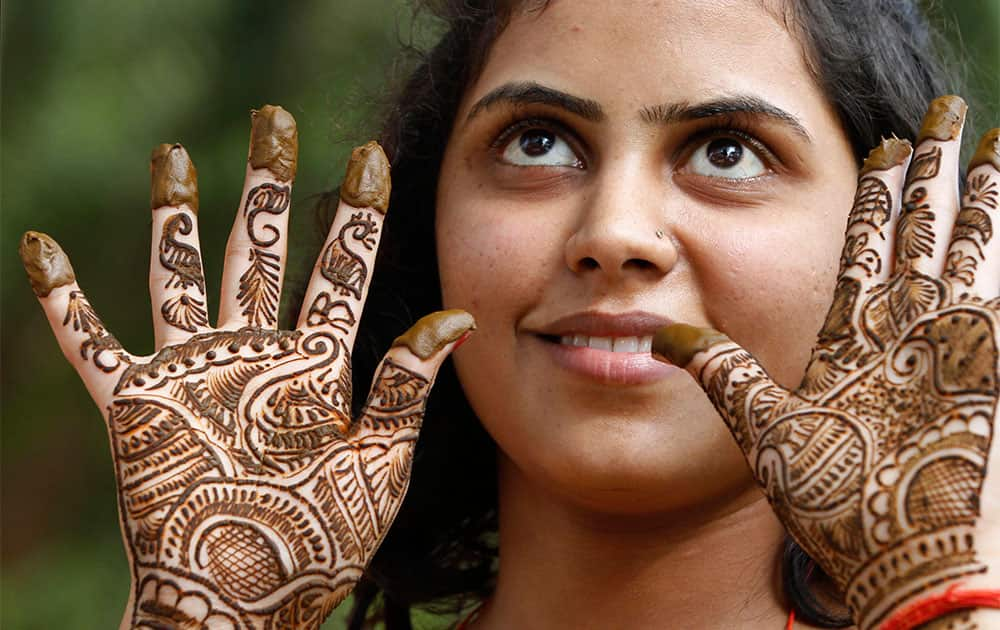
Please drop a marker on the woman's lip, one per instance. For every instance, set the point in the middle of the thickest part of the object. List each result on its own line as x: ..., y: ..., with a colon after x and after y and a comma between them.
x: 600, y: 324
x: 604, y: 366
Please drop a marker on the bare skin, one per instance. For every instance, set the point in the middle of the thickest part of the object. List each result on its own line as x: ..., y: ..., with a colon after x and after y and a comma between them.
x: 606, y: 204
x: 249, y: 496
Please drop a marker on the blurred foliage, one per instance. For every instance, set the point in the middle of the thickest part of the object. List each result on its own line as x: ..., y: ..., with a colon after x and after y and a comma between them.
x: 88, y: 88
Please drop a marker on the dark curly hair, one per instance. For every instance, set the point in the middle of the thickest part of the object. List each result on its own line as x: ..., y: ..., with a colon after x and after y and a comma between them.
x: 879, y: 64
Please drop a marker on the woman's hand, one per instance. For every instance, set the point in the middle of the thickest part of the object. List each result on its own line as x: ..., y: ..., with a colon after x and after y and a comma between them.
x: 248, y: 495
x: 877, y: 464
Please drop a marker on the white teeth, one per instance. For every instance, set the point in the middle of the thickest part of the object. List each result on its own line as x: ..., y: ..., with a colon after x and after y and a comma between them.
x: 646, y: 343
x: 612, y: 344
x: 626, y: 344
x: 600, y: 343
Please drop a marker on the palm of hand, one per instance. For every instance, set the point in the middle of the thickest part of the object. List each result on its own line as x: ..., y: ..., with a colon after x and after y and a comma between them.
x: 248, y: 495
x: 876, y: 464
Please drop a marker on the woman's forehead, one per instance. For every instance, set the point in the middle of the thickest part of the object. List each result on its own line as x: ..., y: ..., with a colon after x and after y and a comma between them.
x: 630, y: 55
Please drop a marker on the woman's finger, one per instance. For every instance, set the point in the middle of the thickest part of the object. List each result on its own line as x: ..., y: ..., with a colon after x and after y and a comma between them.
x: 867, y: 255
x: 341, y: 275
x: 404, y: 377
x: 176, y: 279
x: 739, y: 387
x: 256, y: 252
x: 973, y: 261
x: 88, y: 346
x: 930, y: 199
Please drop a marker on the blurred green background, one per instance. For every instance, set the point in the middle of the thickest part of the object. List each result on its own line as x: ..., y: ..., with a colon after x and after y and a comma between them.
x: 88, y: 88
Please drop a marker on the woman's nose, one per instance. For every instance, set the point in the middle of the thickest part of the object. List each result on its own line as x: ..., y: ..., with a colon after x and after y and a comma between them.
x: 622, y: 234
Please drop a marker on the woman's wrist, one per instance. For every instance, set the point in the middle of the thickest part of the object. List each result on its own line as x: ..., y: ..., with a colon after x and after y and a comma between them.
x: 956, y: 605
x: 971, y: 619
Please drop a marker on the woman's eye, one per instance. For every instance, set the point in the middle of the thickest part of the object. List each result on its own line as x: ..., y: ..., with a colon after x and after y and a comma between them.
x: 728, y: 158
x: 539, y: 147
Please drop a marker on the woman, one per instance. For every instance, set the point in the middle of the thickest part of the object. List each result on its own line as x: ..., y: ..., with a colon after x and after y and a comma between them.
x: 572, y: 210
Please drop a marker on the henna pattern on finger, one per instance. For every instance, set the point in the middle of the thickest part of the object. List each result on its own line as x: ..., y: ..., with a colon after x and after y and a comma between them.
x: 325, y: 311
x: 185, y: 312
x: 101, y: 347
x: 973, y: 228
x: 259, y: 285
x: 183, y: 261
x: 915, y: 236
x: 341, y: 263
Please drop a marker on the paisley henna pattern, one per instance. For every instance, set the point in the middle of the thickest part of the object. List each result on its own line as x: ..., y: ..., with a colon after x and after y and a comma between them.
x: 249, y: 497
x: 876, y: 462
x: 260, y: 284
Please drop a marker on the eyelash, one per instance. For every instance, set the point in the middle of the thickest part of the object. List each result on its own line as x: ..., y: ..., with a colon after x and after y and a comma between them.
x: 516, y: 124
x: 719, y: 127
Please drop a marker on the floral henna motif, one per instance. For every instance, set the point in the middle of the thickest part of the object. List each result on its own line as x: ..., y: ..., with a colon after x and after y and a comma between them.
x: 101, y: 346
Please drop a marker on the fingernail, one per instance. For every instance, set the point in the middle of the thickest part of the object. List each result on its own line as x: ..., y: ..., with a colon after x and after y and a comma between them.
x: 45, y: 262
x: 944, y: 119
x: 890, y: 153
x: 988, y: 151
x: 274, y: 142
x: 433, y: 332
x: 175, y: 181
x: 367, y: 183
x: 678, y: 343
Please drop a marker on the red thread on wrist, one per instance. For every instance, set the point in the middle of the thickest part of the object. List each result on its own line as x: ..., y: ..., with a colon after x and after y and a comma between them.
x: 930, y: 608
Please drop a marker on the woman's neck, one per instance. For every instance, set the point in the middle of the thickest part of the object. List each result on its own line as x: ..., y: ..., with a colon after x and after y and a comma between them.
x: 565, y: 567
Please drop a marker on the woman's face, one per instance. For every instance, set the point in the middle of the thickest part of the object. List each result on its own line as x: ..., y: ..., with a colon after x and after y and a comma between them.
x: 619, y: 166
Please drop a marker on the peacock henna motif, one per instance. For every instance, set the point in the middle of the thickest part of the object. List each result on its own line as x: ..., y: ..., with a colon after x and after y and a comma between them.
x: 342, y: 264
x: 182, y: 260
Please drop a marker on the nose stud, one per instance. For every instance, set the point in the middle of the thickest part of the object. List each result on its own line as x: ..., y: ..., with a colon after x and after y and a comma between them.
x: 659, y: 234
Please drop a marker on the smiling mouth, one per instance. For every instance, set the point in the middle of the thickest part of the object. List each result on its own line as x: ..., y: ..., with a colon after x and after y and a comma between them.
x: 632, y: 345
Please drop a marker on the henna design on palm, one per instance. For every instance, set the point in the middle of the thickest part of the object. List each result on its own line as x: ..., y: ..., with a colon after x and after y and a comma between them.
x: 876, y: 462
x: 249, y: 496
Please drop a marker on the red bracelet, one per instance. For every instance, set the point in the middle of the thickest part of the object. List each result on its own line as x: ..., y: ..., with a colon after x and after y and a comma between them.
x: 931, y: 608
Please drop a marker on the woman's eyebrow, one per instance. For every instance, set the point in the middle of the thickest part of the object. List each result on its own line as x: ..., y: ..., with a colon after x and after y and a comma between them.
x: 737, y: 104
x: 531, y: 93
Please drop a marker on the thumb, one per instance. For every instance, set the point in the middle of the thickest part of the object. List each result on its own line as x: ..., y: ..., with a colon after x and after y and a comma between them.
x: 736, y: 383
x: 404, y: 377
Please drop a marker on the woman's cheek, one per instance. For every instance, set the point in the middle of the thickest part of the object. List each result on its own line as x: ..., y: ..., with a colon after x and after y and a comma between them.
x: 493, y: 262
x: 772, y: 290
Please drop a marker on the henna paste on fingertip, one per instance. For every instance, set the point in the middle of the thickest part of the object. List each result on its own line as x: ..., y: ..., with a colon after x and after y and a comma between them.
x: 944, y: 119
x: 433, y: 332
x: 890, y: 153
x: 45, y: 262
x: 678, y: 343
x: 367, y: 183
x: 175, y: 180
x: 274, y: 142
x: 988, y: 151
